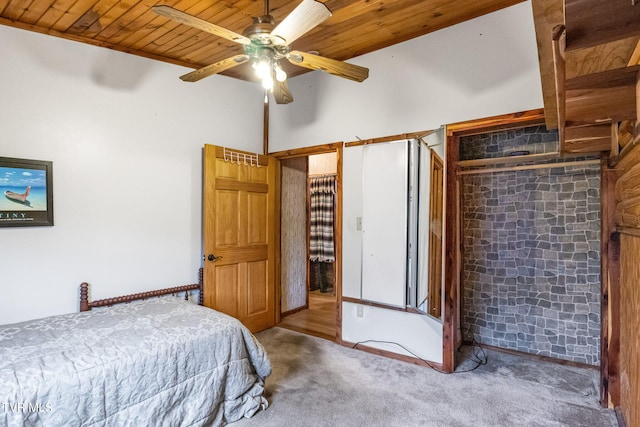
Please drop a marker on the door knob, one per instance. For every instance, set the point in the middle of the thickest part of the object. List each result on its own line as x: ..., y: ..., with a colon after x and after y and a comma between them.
x: 212, y: 257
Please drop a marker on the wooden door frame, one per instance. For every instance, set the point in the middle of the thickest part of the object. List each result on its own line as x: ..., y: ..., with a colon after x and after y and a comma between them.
x: 337, y: 148
x: 610, y: 297
x: 452, y: 336
x: 436, y: 272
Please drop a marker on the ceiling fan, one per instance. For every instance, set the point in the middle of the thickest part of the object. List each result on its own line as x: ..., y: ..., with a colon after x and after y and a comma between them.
x: 266, y: 43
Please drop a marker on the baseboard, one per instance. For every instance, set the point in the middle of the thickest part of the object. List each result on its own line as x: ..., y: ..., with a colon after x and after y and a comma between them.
x: 385, y: 353
x: 294, y: 311
x: 533, y: 356
x: 305, y: 331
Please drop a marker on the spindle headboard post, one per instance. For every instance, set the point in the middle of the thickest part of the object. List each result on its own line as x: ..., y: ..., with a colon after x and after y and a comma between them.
x: 201, y: 286
x: 86, y: 305
x: 84, y: 297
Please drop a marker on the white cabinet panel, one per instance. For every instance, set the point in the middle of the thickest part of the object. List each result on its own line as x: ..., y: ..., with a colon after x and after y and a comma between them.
x: 384, y: 223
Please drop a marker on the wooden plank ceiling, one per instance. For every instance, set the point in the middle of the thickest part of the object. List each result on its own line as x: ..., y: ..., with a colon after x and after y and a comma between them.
x: 356, y: 27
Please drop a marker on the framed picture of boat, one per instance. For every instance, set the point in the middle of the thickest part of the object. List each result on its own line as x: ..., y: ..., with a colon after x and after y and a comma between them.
x: 26, y: 192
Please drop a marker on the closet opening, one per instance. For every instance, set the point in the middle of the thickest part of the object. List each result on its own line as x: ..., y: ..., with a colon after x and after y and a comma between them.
x: 310, y: 241
x: 523, y: 264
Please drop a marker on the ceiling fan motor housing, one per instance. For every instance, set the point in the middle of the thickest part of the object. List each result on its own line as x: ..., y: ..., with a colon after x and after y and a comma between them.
x: 259, y: 32
x: 261, y: 42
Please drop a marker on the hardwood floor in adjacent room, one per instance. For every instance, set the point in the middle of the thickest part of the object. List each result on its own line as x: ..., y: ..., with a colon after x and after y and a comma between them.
x: 318, y: 320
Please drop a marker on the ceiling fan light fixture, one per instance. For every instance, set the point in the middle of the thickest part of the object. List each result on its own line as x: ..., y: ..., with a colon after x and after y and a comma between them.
x: 262, y: 65
x: 281, y: 75
x: 267, y: 82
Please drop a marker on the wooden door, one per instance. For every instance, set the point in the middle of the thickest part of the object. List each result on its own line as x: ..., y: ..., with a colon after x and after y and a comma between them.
x: 240, y: 226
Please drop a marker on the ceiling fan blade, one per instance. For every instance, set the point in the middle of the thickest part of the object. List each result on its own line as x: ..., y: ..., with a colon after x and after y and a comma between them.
x: 303, y: 18
x: 331, y: 66
x: 192, y: 21
x: 281, y: 93
x: 216, y: 68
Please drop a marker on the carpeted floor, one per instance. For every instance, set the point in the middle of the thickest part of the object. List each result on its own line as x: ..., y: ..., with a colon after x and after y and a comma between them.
x: 318, y: 383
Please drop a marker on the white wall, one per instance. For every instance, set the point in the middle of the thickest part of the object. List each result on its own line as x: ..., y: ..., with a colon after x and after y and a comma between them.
x: 480, y: 68
x: 483, y: 67
x: 399, y: 332
x: 125, y: 137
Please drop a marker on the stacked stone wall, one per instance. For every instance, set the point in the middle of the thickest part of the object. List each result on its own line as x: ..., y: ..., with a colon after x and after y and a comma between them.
x: 531, y: 252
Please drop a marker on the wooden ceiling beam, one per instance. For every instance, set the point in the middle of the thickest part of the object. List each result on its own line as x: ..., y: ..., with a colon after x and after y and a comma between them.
x: 590, y: 106
x: 559, y: 67
x: 608, y: 97
x: 624, y: 76
x: 607, y: 56
x: 593, y: 22
x: 585, y: 132
x: 593, y: 59
x: 547, y: 14
x: 593, y: 106
x: 588, y: 140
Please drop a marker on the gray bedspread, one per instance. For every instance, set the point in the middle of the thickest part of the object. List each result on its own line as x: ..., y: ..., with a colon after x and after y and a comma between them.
x: 156, y: 362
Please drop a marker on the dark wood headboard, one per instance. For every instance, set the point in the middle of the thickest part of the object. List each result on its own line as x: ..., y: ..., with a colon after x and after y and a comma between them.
x: 86, y: 305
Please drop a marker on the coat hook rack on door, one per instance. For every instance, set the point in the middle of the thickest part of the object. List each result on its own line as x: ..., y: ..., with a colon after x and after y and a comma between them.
x: 247, y: 159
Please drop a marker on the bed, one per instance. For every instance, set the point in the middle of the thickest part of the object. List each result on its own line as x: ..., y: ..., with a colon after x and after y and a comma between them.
x: 151, y: 361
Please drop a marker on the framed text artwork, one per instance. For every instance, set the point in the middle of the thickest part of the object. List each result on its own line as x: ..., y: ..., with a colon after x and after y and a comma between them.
x: 26, y: 188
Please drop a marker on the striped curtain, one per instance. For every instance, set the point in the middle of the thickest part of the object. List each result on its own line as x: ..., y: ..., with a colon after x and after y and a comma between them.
x: 322, y: 194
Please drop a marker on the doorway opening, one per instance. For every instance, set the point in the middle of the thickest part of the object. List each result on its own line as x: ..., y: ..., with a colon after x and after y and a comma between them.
x: 310, y: 242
